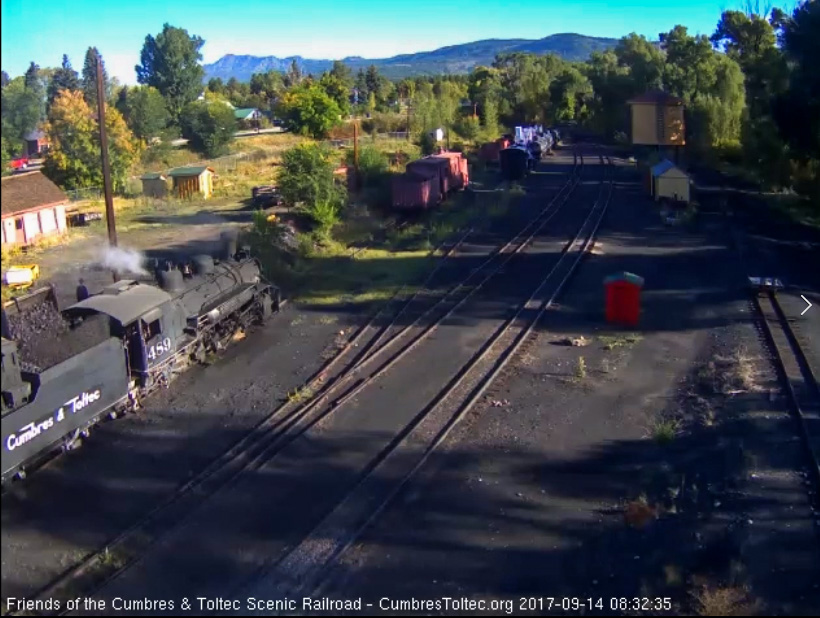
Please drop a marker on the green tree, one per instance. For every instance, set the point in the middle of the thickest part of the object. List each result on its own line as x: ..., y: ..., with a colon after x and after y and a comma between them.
x: 306, y: 176
x: 644, y: 61
x: 169, y: 62
x: 209, y: 125
x: 406, y: 89
x: 308, y: 110
x: 145, y: 112
x: 35, y: 84
x: 336, y: 90
x: 20, y: 110
x: 468, y: 127
x: 798, y: 110
x: 64, y: 78
x: 710, y: 84
x: 489, y: 119
x: 342, y: 72
x: 89, y: 81
x: 267, y: 86
x: 360, y: 85
x: 569, y: 94
x: 215, y: 84
x: 73, y: 161
x: 371, y: 79
x: 294, y: 76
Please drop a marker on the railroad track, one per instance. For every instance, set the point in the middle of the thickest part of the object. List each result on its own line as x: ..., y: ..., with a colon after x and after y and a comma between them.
x: 798, y: 377
x: 303, y: 569
x: 295, y: 416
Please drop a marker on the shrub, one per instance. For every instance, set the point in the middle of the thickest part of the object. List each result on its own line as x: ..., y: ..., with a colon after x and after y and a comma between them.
x: 209, y: 126
x: 324, y: 213
x: 468, y: 127
x: 306, y: 176
x: 427, y: 144
x: 372, y: 164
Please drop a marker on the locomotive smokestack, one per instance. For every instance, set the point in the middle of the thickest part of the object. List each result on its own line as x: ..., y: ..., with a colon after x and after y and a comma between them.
x: 229, y: 244
x: 171, y: 280
x: 204, y: 264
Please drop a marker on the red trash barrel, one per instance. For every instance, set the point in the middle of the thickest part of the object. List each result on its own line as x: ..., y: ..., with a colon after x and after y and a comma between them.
x: 623, y: 298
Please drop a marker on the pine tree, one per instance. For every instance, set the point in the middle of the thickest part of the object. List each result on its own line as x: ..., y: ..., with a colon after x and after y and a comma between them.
x: 90, y: 78
x: 64, y: 78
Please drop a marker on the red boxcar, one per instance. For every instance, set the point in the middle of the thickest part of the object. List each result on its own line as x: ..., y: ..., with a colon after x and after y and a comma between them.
x: 458, y: 178
x: 420, y: 189
x: 438, y: 166
x: 465, y: 171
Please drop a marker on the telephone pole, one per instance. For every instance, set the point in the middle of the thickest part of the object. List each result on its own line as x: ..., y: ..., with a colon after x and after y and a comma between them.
x: 106, y: 168
x: 356, y: 153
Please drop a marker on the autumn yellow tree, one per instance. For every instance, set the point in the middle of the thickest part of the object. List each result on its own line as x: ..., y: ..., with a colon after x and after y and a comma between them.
x: 74, y: 160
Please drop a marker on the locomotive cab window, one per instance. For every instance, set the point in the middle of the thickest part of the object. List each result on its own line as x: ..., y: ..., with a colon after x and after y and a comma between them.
x: 151, y: 329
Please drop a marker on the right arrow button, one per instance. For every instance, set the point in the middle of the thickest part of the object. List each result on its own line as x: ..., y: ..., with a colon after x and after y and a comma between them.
x: 807, y: 303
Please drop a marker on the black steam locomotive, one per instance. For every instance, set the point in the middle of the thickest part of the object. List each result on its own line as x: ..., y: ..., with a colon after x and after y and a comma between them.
x: 118, y: 346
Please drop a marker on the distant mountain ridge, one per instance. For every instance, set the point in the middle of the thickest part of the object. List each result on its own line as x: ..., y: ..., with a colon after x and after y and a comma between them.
x: 451, y: 59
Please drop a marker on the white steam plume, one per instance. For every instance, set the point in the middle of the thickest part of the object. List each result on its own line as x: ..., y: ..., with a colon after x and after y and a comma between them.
x: 122, y: 260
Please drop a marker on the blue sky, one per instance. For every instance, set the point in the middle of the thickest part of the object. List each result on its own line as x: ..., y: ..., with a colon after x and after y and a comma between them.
x: 43, y: 31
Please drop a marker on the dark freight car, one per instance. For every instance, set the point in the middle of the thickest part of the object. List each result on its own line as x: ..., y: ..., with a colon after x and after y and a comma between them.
x: 515, y: 163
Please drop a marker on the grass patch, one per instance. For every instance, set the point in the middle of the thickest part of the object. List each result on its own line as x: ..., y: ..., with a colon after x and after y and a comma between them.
x: 611, y: 342
x: 581, y: 368
x: 729, y: 375
x: 301, y: 394
x: 665, y: 431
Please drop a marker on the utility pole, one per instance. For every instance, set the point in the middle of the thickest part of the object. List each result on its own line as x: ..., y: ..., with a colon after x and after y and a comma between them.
x: 408, y: 120
x: 106, y: 168
x: 356, y: 152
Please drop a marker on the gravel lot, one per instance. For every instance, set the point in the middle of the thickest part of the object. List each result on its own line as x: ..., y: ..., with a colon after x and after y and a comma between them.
x: 270, y: 509
x: 565, y: 482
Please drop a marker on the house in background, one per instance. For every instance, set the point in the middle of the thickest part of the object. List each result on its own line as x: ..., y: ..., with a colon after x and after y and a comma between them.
x: 33, y: 207
x: 36, y: 143
x: 192, y: 181
x: 246, y: 114
x: 154, y: 185
x: 657, y: 119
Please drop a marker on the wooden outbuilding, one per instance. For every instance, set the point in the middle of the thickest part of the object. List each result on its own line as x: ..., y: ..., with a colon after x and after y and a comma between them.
x: 670, y: 182
x: 154, y: 185
x: 32, y: 207
x: 657, y: 119
x: 193, y: 181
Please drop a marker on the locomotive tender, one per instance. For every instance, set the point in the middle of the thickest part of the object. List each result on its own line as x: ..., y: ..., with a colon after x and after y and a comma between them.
x: 119, y: 346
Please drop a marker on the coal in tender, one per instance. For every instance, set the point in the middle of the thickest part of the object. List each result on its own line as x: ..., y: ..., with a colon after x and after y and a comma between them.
x: 44, y: 338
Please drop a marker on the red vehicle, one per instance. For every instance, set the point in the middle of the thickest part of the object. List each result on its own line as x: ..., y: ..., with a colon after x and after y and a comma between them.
x: 19, y: 163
